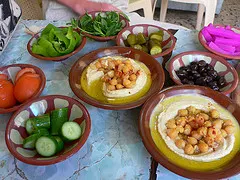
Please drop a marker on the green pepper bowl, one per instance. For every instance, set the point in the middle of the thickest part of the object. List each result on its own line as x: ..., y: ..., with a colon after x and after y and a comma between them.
x: 57, y: 58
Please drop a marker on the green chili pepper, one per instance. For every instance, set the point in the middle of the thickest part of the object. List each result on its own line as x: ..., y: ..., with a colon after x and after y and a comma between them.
x: 48, y: 46
x: 36, y: 49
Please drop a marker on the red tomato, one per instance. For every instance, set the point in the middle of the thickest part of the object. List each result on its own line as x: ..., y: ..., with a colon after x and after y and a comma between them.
x: 7, y: 98
x: 23, y: 71
x: 26, y: 86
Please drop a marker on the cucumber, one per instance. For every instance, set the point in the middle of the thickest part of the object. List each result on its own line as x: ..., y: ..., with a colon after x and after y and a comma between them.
x: 29, y: 126
x: 60, y: 143
x: 30, y: 141
x: 38, y: 122
x: 58, y: 117
x: 46, y: 146
x: 42, y: 132
x: 71, y: 131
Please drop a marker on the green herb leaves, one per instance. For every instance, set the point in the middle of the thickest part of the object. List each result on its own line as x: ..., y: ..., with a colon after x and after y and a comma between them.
x: 104, y: 24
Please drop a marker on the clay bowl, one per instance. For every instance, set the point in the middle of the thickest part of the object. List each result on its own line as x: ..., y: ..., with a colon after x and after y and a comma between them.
x: 220, y: 65
x: 155, y: 68
x: 11, y: 72
x: 230, y: 169
x: 16, y: 131
x: 168, y: 43
x: 236, y: 93
x: 58, y: 58
x: 124, y: 21
x: 204, y: 44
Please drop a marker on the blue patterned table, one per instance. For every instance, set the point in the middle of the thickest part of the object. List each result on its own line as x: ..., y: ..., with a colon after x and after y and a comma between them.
x: 114, y: 149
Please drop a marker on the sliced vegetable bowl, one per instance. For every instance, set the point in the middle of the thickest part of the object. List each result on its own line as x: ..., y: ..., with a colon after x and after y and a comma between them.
x: 48, y: 130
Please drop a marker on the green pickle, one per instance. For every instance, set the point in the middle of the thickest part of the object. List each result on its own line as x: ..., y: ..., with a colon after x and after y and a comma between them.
x: 132, y: 39
x: 141, y: 38
x: 145, y: 49
x: 137, y: 46
x: 156, y: 37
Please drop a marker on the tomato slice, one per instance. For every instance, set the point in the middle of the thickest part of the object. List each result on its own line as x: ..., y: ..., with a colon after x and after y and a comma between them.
x: 23, y: 71
x: 3, y: 77
x: 7, y: 99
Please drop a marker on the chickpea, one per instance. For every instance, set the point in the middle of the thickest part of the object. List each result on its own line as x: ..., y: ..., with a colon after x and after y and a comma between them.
x: 98, y: 64
x: 193, y: 124
x: 217, y: 124
x: 203, y: 147
x: 111, y: 87
x: 133, y: 77
x: 129, y: 67
x: 119, y: 86
x: 223, y: 133
x: 207, y: 124
x: 227, y: 123
x: 205, y: 116
x: 131, y: 84
x: 172, y: 133
x: 192, y: 140
x: 202, y: 131
x: 190, y: 118
x: 118, y: 74
x: 119, y: 81
x: 182, y: 112
x: 214, y: 113
x: 229, y: 129
x: 199, y: 119
x: 120, y: 67
x: 212, y: 132
x: 113, y: 82
x: 187, y: 129
x: 189, y: 149
x: 101, y: 69
x: 181, y: 121
x: 180, y: 129
x: 110, y: 74
x: 111, y: 65
x: 106, y: 78
x: 191, y: 109
x: 197, y: 111
x: 171, y: 124
x: 196, y: 135
x: 209, y: 140
x: 219, y: 139
x: 125, y: 69
x: 180, y: 143
x: 117, y: 62
x: 127, y: 62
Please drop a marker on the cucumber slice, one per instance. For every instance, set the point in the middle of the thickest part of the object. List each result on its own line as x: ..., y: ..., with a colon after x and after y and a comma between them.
x: 46, y: 146
x: 30, y: 141
x: 29, y: 126
x: 58, y: 117
x: 41, y: 121
x: 60, y: 143
x: 71, y: 131
x: 42, y: 132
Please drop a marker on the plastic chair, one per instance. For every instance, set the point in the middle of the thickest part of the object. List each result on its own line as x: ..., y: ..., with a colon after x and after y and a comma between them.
x: 146, y: 5
x: 208, y: 5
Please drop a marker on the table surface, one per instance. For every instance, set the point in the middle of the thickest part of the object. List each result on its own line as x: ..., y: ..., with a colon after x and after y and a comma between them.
x: 114, y: 149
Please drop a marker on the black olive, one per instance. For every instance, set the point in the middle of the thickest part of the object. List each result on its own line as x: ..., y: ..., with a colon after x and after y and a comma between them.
x: 202, y: 63
x: 213, y: 73
x: 200, y: 81
x: 212, y: 83
x: 194, y: 67
x: 208, y: 78
x: 204, y: 74
x: 209, y: 67
x: 194, y: 72
x: 183, y: 68
x: 194, y: 63
x: 221, y: 81
x: 185, y: 81
x: 191, y: 82
x: 190, y: 78
x: 196, y: 76
x: 201, y: 69
x: 216, y: 88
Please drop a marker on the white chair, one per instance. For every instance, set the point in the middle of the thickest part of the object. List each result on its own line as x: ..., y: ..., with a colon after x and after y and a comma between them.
x: 208, y: 5
x: 146, y: 5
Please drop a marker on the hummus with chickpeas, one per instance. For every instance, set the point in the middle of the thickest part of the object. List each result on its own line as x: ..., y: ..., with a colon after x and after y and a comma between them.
x: 196, y: 128
x: 121, y: 76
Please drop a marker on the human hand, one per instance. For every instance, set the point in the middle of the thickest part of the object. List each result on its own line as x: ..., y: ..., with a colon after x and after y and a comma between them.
x: 83, y: 6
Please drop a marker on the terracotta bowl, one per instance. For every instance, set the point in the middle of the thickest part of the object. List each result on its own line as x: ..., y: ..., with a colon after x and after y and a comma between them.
x: 230, y: 169
x: 99, y: 38
x: 16, y: 132
x: 204, y: 44
x: 236, y: 93
x: 155, y: 68
x: 11, y: 72
x: 168, y: 43
x: 220, y: 65
x: 58, y: 58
